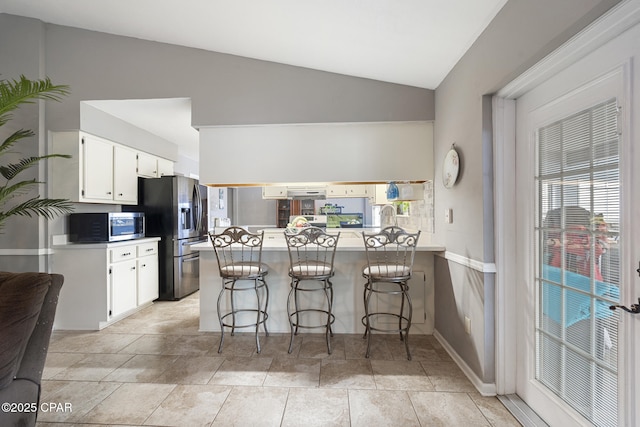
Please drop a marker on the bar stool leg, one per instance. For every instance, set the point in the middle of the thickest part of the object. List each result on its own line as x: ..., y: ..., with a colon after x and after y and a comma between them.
x: 224, y: 286
x: 330, y: 308
x: 402, y: 295
x: 366, y: 310
x: 266, y: 305
x: 233, y: 307
x: 328, y: 291
x: 292, y: 292
x: 259, y: 307
x: 405, y: 293
x: 367, y: 332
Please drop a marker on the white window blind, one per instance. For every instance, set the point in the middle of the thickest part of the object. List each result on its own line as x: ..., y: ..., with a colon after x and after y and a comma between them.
x: 578, y: 270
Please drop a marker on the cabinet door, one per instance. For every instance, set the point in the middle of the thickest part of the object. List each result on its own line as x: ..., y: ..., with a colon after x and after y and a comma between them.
x: 337, y: 191
x: 356, y: 191
x: 125, y: 180
x: 273, y: 192
x: 165, y: 167
x: 147, y: 272
x: 123, y: 287
x: 97, y: 169
x: 147, y: 165
x: 147, y: 279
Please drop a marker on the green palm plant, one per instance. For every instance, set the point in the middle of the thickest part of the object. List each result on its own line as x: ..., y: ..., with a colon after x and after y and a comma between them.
x: 13, y: 193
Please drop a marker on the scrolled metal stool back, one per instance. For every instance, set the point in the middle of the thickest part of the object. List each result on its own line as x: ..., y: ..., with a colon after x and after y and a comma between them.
x: 390, y: 253
x: 239, y: 252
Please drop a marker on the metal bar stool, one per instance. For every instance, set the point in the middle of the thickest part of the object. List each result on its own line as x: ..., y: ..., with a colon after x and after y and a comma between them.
x: 239, y: 255
x: 390, y: 255
x: 311, y: 255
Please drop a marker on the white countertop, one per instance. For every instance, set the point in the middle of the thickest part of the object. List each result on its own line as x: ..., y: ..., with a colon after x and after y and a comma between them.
x: 350, y: 240
x: 61, y: 244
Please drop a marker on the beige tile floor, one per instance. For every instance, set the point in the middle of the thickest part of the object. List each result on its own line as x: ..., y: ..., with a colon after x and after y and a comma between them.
x: 155, y: 368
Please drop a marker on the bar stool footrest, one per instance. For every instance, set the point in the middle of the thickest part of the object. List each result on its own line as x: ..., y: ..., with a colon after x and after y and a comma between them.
x: 263, y: 319
x: 394, y: 315
x: 307, y: 310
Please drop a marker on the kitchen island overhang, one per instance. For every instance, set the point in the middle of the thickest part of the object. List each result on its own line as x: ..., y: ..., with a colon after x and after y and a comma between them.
x: 348, y: 284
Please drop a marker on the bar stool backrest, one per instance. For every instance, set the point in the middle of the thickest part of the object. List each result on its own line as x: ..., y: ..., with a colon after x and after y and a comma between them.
x: 311, y: 252
x: 239, y: 253
x: 390, y: 254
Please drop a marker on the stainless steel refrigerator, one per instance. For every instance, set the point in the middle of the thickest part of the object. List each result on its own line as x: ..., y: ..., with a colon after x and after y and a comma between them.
x: 176, y: 210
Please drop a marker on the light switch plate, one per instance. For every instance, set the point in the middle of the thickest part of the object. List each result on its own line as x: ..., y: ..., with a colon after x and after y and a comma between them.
x: 448, y: 216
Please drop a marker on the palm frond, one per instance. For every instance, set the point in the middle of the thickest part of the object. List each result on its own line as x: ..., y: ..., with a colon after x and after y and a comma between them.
x: 15, y: 92
x: 48, y: 208
x: 11, y: 170
x: 15, y: 137
x: 18, y: 189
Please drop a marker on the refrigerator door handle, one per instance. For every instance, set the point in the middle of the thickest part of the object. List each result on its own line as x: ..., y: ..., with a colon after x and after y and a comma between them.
x: 194, y: 243
x: 197, y: 208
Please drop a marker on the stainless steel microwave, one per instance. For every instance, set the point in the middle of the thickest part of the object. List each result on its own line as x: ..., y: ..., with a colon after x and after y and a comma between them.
x: 105, y: 227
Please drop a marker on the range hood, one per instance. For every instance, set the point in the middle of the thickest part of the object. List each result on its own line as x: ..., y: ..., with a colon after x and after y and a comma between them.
x: 306, y: 193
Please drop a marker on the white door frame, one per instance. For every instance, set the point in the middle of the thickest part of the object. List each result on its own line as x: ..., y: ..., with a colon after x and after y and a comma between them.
x: 604, y: 29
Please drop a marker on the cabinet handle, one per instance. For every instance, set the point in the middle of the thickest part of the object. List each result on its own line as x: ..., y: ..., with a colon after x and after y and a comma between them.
x: 109, y: 192
x: 133, y: 268
x: 150, y: 249
x: 119, y: 194
x: 143, y: 265
x: 126, y: 254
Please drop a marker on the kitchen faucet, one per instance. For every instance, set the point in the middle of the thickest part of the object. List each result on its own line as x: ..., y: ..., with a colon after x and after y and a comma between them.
x: 383, y: 216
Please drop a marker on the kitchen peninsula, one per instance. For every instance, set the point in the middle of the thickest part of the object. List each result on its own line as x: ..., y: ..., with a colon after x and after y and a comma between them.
x: 347, y: 283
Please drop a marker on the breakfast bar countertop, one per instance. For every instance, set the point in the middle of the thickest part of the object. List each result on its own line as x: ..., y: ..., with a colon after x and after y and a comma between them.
x: 350, y: 240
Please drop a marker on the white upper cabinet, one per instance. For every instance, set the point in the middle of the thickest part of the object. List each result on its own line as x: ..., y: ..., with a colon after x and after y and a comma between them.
x: 357, y: 190
x: 99, y: 170
x: 354, y: 190
x: 97, y: 167
x: 334, y: 191
x: 150, y: 166
x: 274, y: 192
x: 165, y: 167
x: 125, y: 180
x: 147, y: 165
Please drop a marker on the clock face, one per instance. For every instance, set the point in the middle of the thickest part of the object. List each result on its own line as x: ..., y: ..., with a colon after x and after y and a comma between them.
x: 450, y: 168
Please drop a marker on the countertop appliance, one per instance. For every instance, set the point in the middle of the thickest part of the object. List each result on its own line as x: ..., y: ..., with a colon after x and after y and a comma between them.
x: 176, y: 211
x: 105, y: 226
x: 315, y: 220
x: 345, y: 220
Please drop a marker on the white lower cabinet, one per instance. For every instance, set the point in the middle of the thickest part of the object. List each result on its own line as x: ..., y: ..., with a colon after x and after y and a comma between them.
x: 104, y: 283
x: 122, y: 284
x: 147, y: 270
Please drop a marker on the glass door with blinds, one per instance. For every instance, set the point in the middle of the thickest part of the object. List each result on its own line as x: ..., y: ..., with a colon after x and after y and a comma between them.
x: 577, y: 268
x: 574, y: 220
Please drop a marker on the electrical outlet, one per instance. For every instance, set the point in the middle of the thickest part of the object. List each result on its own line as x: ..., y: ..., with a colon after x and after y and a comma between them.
x: 467, y: 325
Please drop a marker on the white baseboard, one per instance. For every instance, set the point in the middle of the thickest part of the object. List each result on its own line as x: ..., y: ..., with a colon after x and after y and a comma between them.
x: 485, y: 389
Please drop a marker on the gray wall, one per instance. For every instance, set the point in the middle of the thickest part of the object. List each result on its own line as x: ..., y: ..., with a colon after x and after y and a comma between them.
x: 21, y: 50
x: 250, y: 208
x: 521, y: 34
x: 224, y: 89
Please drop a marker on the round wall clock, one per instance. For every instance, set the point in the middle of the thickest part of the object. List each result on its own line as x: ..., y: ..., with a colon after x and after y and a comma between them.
x: 450, y: 168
